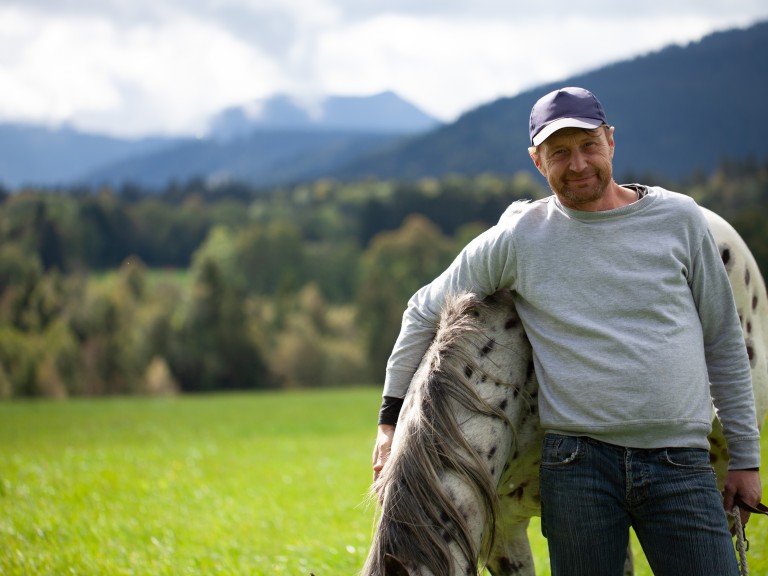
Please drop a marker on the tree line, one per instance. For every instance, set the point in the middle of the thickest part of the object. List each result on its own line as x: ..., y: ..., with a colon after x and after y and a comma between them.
x: 203, y: 287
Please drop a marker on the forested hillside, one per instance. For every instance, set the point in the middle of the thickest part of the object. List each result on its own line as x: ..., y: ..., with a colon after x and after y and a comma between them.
x: 207, y: 288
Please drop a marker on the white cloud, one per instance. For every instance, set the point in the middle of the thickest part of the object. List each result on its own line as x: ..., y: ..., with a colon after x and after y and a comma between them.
x: 439, y: 64
x: 52, y: 71
x: 85, y: 69
x: 448, y: 66
x: 188, y: 70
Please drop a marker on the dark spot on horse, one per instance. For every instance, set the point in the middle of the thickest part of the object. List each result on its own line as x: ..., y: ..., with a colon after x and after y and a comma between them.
x: 468, y: 371
x: 484, y: 378
x: 447, y: 538
x: 503, y: 404
x: 746, y: 277
x: 487, y: 348
x: 512, y: 322
x: 515, y: 392
x: 749, y: 327
x: 751, y: 354
x: 725, y: 254
x: 518, y: 492
x: 491, y: 452
x: 754, y: 302
x: 507, y: 566
x: 534, y: 409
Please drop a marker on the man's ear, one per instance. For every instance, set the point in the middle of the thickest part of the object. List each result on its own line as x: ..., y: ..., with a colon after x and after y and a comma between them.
x: 611, y: 141
x: 534, y: 154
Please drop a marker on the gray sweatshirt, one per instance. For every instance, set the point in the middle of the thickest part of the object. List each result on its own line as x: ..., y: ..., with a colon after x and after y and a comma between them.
x: 630, y: 315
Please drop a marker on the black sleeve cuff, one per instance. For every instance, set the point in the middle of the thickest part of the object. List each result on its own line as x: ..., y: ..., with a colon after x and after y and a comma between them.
x: 390, y: 410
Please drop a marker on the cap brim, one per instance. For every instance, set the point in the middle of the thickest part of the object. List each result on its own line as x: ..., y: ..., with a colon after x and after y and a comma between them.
x: 552, y: 127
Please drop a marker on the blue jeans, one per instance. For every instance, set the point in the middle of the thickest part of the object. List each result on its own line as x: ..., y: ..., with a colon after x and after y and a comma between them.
x: 592, y: 492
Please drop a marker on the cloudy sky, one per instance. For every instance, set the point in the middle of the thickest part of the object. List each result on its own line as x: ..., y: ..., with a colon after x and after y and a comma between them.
x: 135, y: 67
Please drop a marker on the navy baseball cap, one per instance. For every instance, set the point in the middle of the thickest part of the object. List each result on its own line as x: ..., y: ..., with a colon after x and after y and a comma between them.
x: 569, y: 107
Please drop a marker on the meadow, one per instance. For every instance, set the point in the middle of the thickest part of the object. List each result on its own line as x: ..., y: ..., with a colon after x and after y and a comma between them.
x: 264, y: 483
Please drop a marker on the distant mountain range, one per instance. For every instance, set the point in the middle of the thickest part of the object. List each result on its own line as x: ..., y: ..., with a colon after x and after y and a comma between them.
x: 267, y: 142
x: 39, y: 155
x: 676, y: 111
x: 384, y: 113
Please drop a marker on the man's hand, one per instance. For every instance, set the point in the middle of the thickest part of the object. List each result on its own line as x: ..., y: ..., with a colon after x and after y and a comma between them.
x: 745, y: 484
x: 382, y: 448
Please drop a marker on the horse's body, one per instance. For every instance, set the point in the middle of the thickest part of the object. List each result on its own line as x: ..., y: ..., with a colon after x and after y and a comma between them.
x: 462, y: 480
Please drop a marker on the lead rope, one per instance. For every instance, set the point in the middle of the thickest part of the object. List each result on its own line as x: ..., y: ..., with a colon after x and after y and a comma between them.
x: 742, y: 544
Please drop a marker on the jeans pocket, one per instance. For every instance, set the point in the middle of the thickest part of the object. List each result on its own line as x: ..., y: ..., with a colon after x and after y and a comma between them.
x: 694, y: 459
x: 558, y: 450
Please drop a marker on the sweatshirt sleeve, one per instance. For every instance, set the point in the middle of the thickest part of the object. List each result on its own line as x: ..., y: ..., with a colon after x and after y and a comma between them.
x: 725, y: 352
x: 483, y: 267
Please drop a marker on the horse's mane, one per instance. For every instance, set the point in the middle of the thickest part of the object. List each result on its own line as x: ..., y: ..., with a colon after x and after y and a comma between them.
x: 419, y: 519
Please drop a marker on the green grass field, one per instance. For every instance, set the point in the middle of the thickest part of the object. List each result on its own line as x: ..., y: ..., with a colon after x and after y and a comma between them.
x: 271, y: 483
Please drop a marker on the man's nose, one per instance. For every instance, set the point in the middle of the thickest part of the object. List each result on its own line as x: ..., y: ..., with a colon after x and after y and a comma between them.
x: 578, y: 161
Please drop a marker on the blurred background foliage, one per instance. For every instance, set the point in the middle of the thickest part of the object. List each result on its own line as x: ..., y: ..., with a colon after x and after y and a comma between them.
x: 203, y: 287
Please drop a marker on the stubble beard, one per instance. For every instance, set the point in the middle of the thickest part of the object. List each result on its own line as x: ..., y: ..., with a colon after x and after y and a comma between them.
x: 574, y: 197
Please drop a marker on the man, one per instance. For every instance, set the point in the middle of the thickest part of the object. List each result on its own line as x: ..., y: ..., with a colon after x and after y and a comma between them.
x: 633, y: 326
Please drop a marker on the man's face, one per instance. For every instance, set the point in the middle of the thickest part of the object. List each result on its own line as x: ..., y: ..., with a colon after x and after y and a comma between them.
x: 577, y: 165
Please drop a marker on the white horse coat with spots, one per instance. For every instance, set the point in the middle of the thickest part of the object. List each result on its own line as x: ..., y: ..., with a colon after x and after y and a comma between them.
x: 462, y: 480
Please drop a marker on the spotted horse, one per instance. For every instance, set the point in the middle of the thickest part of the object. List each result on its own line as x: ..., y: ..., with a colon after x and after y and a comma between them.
x: 461, y: 482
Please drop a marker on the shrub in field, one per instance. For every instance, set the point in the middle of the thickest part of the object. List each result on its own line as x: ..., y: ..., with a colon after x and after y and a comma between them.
x: 213, y: 347
x: 18, y: 360
x: 158, y: 380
